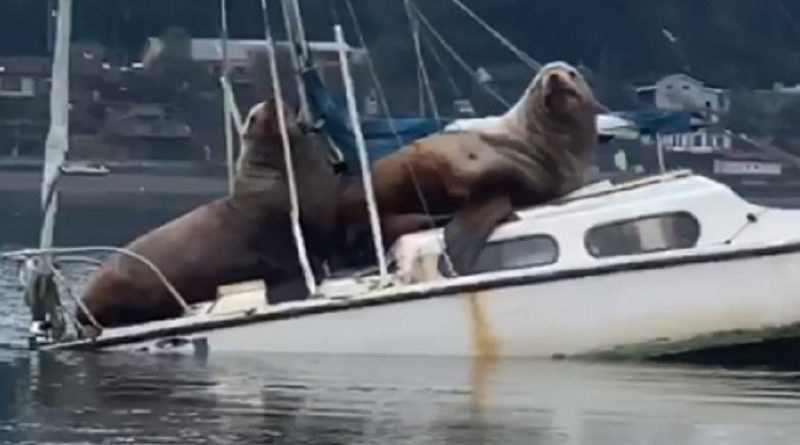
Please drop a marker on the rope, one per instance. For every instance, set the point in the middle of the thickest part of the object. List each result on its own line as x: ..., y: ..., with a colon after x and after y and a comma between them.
x: 525, y: 58
x: 453, y: 84
x: 62, y: 281
x: 385, y: 105
x: 25, y: 253
x: 413, y: 23
x: 287, y: 153
x: 457, y: 57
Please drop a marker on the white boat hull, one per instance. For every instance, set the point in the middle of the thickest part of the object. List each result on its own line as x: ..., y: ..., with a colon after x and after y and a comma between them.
x: 641, y: 312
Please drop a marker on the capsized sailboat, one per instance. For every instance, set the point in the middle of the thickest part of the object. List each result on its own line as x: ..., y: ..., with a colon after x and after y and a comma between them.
x: 618, y: 269
x: 649, y: 268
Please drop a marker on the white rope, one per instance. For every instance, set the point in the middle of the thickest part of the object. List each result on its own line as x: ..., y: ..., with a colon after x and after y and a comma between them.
x: 387, y: 112
x: 26, y: 253
x: 457, y: 57
x: 366, y: 173
x: 62, y: 281
x: 453, y: 84
x: 525, y: 58
x: 233, y: 109
x: 287, y: 153
x: 413, y: 23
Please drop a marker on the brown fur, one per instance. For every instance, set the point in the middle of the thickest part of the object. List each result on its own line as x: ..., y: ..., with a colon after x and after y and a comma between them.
x: 539, y: 151
x: 243, y: 237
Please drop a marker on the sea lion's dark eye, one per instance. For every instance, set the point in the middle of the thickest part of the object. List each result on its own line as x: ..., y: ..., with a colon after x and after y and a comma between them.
x: 572, y: 74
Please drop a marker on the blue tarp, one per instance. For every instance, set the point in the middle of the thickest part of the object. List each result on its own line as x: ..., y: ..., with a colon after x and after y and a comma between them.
x: 379, y: 135
x: 382, y: 141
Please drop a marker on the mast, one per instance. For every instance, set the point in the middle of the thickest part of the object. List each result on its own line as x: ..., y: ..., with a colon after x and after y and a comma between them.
x: 225, y: 80
x: 57, y: 143
x: 298, y: 51
x: 287, y: 152
x: 366, y: 176
x: 42, y: 293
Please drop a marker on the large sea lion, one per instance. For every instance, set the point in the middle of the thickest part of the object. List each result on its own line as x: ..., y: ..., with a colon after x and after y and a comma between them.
x: 242, y: 237
x: 537, y: 151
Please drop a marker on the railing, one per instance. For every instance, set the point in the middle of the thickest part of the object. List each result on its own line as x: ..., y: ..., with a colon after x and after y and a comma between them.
x: 29, y: 261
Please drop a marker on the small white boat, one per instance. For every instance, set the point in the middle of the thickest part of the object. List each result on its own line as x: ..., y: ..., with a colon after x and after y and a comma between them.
x: 84, y: 169
x: 653, y: 266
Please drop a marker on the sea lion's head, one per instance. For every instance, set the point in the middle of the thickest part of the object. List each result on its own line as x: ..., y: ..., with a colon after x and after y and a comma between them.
x: 262, y: 162
x: 560, y: 90
x: 261, y: 139
x: 262, y: 124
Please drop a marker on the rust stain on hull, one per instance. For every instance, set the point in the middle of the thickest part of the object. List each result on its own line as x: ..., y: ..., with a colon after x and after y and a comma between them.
x: 485, y: 349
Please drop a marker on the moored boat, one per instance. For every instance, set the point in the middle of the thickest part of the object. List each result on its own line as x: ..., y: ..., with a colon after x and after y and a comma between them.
x: 648, y: 267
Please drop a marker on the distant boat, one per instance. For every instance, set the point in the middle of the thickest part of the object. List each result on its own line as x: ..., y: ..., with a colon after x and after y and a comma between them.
x: 84, y: 169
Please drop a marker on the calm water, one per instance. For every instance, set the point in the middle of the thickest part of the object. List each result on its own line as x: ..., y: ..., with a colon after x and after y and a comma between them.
x: 135, y: 399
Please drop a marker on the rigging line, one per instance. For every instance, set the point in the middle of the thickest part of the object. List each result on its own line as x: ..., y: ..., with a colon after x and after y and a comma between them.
x: 373, y: 73
x: 525, y: 58
x: 287, y: 153
x: 334, y: 11
x: 423, y: 69
x: 432, y: 49
x: 385, y: 105
x: 457, y: 57
x: 229, y: 155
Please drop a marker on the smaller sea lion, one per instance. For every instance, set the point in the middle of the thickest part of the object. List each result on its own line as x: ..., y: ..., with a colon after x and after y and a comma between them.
x: 243, y: 237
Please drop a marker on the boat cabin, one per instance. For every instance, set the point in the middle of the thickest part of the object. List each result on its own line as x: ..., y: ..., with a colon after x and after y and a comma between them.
x: 607, y: 223
x: 600, y: 223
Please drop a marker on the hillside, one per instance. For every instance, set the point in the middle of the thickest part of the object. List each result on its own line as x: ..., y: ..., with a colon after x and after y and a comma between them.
x: 731, y: 42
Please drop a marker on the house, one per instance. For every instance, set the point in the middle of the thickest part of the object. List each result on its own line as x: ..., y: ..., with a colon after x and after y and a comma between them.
x: 683, y: 92
x: 23, y: 77
x: 742, y: 163
x: 208, y: 52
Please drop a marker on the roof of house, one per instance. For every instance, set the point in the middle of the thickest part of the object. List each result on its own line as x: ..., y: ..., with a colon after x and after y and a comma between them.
x: 31, y: 65
x: 210, y: 49
x: 686, y: 77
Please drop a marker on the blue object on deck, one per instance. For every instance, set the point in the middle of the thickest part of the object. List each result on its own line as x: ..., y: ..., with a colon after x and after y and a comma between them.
x: 379, y: 135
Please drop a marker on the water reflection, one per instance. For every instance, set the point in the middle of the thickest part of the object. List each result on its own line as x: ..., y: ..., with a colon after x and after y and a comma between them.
x: 122, y: 398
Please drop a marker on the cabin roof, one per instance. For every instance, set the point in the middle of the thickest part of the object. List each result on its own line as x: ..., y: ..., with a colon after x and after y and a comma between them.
x: 591, y: 197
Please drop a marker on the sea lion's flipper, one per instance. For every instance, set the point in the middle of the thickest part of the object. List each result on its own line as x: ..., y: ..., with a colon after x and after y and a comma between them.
x: 466, y: 235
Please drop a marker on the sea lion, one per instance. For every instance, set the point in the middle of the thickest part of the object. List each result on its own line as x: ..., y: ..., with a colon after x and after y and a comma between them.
x: 245, y: 236
x: 537, y: 151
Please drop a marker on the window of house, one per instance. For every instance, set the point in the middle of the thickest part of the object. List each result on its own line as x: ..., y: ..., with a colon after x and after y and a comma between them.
x: 655, y: 233
x: 697, y: 140
x: 515, y: 253
x: 11, y: 84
